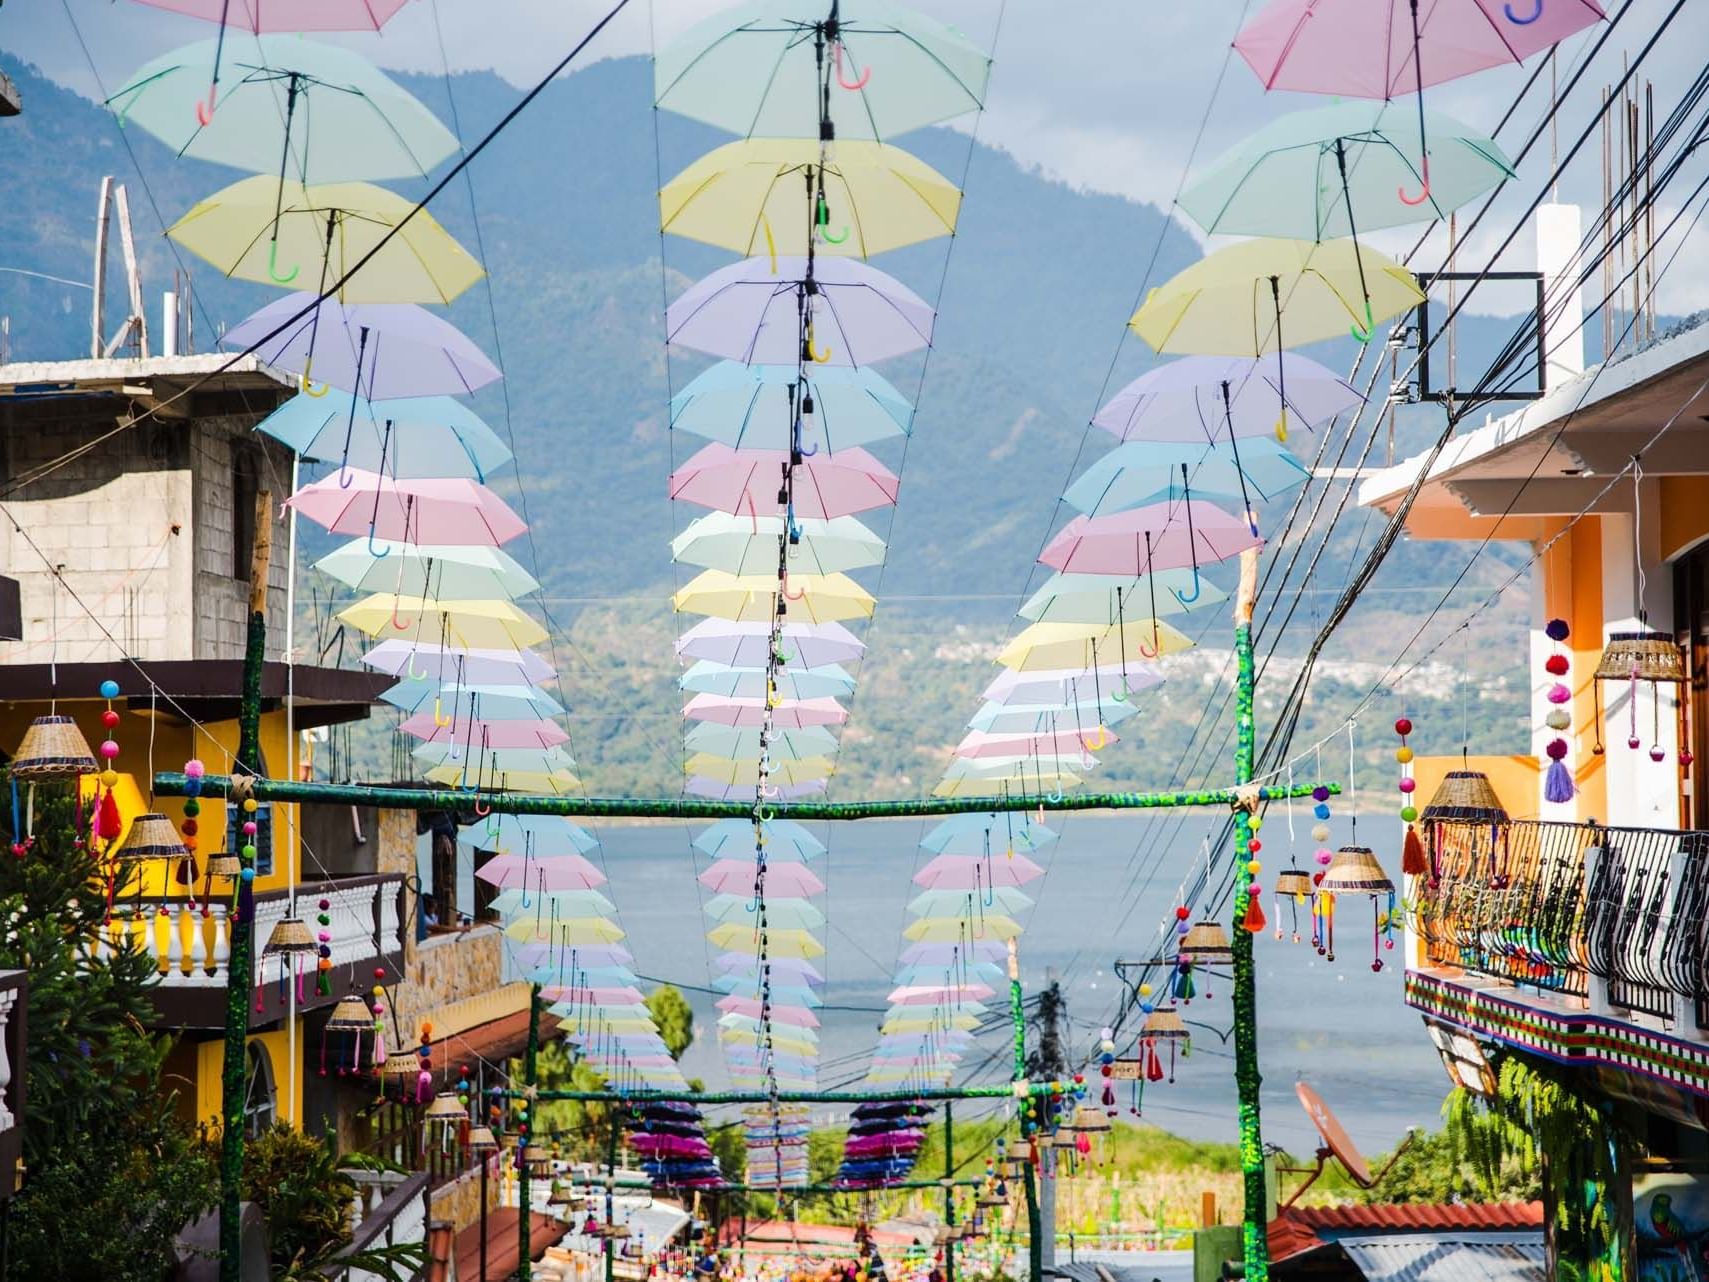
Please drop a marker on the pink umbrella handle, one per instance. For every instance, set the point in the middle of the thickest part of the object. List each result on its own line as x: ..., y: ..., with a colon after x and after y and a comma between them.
x: 1516, y: 20
x: 483, y: 810
x: 1424, y: 191
x: 837, y: 61
x: 404, y: 626
x: 205, y: 110
x: 783, y: 586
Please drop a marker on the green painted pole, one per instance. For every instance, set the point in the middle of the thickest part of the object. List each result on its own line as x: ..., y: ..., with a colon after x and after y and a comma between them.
x: 1254, y: 1229
x: 611, y: 1195
x: 1018, y: 1014
x: 170, y: 783
x: 949, y: 1189
x: 240, y: 968
x: 524, y: 1182
x: 1003, y: 1090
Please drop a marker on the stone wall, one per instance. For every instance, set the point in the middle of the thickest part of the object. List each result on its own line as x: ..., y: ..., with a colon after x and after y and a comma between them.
x: 459, y: 1200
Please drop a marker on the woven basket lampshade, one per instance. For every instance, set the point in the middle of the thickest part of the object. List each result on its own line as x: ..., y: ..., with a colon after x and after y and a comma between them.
x: 290, y: 935
x: 482, y: 1139
x: 536, y: 1158
x: 444, y: 1108
x: 1465, y: 796
x: 53, y: 748
x: 229, y: 865
x: 1648, y: 656
x: 1206, y: 944
x: 1088, y: 1119
x: 351, y: 1015
x: 1293, y: 881
x: 1164, y: 1025
x: 152, y: 837
x: 1355, y: 871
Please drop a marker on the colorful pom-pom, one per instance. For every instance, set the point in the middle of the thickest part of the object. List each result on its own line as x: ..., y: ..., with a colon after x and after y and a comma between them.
x: 1403, y: 727
x: 1555, y: 665
x: 1558, y: 719
x: 1558, y: 693
x: 1557, y: 749
x: 109, y: 689
x: 194, y: 768
x: 1557, y: 629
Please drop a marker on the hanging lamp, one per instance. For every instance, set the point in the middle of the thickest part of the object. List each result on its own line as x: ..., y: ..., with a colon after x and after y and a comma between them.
x: 1293, y: 887
x: 1355, y: 871
x: 53, y: 748
x: 1467, y: 797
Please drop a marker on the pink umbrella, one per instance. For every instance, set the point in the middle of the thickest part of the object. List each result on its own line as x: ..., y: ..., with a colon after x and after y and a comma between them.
x: 1069, y: 742
x: 488, y: 734
x: 736, y: 876
x: 533, y: 872
x: 966, y: 872
x: 1158, y: 536
x: 624, y: 996
x: 790, y: 714
x: 795, y: 1016
x: 257, y: 17
x: 747, y: 482
x: 438, y: 510
x: 747, y: 645
x: 930, y: 996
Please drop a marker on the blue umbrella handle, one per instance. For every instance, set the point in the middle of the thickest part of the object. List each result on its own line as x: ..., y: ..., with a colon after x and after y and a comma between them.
x: 1198, y: 587
x: 1536, y: 12
x: 837, y: 60
x: 1363, y: 335
x: 273, y: 264
x: 1055, y: 795
x: 377, y: 552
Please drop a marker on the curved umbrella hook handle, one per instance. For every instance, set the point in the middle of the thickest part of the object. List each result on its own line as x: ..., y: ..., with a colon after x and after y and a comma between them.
x: 1516, y: 20
x: 834, y: 240
x: 1360, y: 334
x: 1119, y: 693
x: 783, y: 586
x: 308, y: 388
x: 1148, y: 651
x: 1103, y: 739
x: 205, y: 110
x: 764, y: 815
x: 439, y: 718
x: 377, y: 552
x: 1054, y: 796
x: 413, y: 674
x: 843, y: 82
x: 1183, y: 598
x: 1424, y: 190
x: 402, y: 625
x: 483, y: 810
x: 818, y: 355
x: 273, y: 265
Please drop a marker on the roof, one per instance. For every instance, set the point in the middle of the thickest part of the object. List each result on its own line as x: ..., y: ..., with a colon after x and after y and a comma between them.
x: 655, y: 1224
x: 1435, y: 1257
x: 503, y: 1244
x: 207, y: 689
x: 224, y: 370
x: 1297, y: 1229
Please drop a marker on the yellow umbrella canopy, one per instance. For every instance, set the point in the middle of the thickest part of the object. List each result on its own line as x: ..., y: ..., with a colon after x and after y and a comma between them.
x: 568, y: 930
x: 926, y: 1017
x: 557, y: 782
x: 1227, y: 304
x: 463, y: 625
x: 1078, y: 646
x: 732, y: 770
x: 940, y: 930
x: 1022, y: 782
x: 737, y: 937
x: 757, y: 197
x: 752, y: 598
x: 331, y: 226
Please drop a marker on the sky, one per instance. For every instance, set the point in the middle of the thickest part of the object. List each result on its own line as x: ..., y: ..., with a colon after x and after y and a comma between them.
x: 1109, y: 95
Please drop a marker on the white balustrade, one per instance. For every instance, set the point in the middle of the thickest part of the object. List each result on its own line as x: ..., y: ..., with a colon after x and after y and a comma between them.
x: 8, y: 997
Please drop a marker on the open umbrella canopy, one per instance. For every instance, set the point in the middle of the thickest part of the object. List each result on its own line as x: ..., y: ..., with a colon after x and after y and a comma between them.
x: 486, y: 764
x: 786, y: 942
x: 748, y: 645
x: 745, y: 963
x: 565, y: 931
x: 735, y: 741
x: 748, y: 1007
x: 733, y: 876
x: 572, y: 962
x: 499, y: 702
x: 421, y: 436
x: 983, y: 972
x: 500, y: 778
x: 706, y: 677
x: 950, y: 901
x: 1141, y: 472
x: 750, y: 312
x: 256, y: 230
x: 789, y: 715
x: 528, y: 733
x: 567, y: 903
x: 783, y: 837
x: 964, y: 779
x: 746, y: 482
x: 956, y: 928
x: 1060, y: 645
x: 562, y: 872
x: 411, y: 510
x: 429, y: 661
x: 1041, y: 718
x: 779, y: 910
x: 746, y: 771
x: 739, y: 986
x: 739, y: 543
x: 328, y: 112
x: 495, y: 625
x: 819, y: 598
x: 1183, y: 400
x: 1103, y: 598
x: 260, y: 16
x: 927, y: 953
x: 1027, y: 768
x: 754, y: 406
x: 1228, y: 303
x: 1062, y: 741
x: 404, y: 350
x: 435, y: 570
x: 1143, y: 540
x: 543, y: 836
x: 718, y: 790
x: 758, y: 69
x: 980, y: 834
x: 1341, y: 170
x: 1087, y: 687
x: 771, y: 195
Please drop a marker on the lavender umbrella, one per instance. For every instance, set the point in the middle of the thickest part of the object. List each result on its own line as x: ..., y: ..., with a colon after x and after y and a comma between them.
x: 747, y: 645
x: 1212, y: 398
x: 420, y: 660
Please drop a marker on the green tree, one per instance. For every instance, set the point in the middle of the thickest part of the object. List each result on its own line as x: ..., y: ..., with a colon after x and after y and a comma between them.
x: 579, y: 1130
x: 674, y: 1016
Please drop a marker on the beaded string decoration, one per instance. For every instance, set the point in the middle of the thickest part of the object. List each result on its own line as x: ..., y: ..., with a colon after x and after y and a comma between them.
x: 1182, y: 987
x: 190, y: 825
x: 1106, y: 1068
x: 1322, y: 856
x: 323, y: 940
x: 107, y: 823
x: 379, y: 1005
x: 1254, y: 921
x: 1412, y: 860
x: 1558, y: 781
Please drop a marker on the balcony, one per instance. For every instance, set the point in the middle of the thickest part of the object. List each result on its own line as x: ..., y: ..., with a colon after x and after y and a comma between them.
x: 191, y: 946
x: 14, y: 1062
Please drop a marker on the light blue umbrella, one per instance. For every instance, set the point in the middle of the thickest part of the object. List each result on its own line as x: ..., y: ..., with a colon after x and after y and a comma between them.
x: 495, y: 703
x: 706, y: 677
x: 779, y: 912
x: 951, y: 903
x: 1105, y: 598
x: 754, y: 407
x: 734, y: 839
x: 449, y: 573
x: 543, y: 836
x: 1040, y: 718
x: 740, y: 741
x: 920, y: 975
x: 417, y: 436
x: 1141, y: 472
x: 977, y: 834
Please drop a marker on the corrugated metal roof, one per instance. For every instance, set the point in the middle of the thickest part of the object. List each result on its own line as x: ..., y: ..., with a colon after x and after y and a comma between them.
x: 1440, y: 1257
x: 1418, y: 1216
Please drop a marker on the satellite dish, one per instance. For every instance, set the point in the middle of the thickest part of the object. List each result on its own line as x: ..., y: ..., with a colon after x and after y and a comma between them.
x: 1336, y: 1144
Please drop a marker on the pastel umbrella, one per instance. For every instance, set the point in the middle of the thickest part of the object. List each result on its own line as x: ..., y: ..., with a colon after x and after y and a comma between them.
x: 1100, y: 598
x: 419, y: 660
x: 574, y: 959
x: 718, y: 790
x: 501, y: 778
x: 1020, y: 768
x: 746, y: 963
x: 566, y: 931
x: 1143, y: 540
x: 482, y: 624
x: 748, y: 645
x: 727, y: 876
x: 496, y: 703
x: 985, y: 972
x: 755, y: 406
x: 747, y: 544
x: 746, y: 770
x: 780, y: 911
x: 1022, y: 782
x: 904, y: 1020
x: 424, y: 436
x: 758, y: 70
x: 418, y: 569
x: 972, y: 872
x: 736, y: 741
x: 948, y: 901
x: 1037, y: 718
x: 529, y: 733
x: 1065, y: 741
x: 413, y: 510
x: 561, y: 872
x: 383, y: 350
x: 746, y: 482
x: 737, y: 986
x: 568, y: 903
x: 927, y: 952
x: 257, y: 17
x: 1084, y: 686
x: 974, y: 834
x: 782, y: 837
x: 487, y: 763
x: 252, y: 228
x: 1056, y: 645
x: 790, y: 714
x: 750, y: 1008
x: 772, y: 195
x: 750, y: 312
x: 706, y: 677
x: 539, y: 835
x: 1141, y: 472
x: 1211, y: 398
x: 785, y: 942
x: 820, y: 598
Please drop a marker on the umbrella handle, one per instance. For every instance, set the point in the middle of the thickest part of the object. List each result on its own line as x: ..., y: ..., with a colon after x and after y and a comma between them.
x: 205, y: 110
x: 306, y: 387
x: 834, y: 240
x: 482, y: 810
x: 413, y: 674
x: 813, y: 350
x: 1183, y: 598
x: 783, y: 586
x: 1103, y: 739
x: 439, y: 717
x: 837, y: 61
x: 1055, y: 795
x: 1119, y: 693
x: 1516, y: 20
x: 377, y: 552
x: 1424, y: 191
x: 404, y: 626
x: 763, y: 815
x: 273, y: 265
x: 1362, y: 335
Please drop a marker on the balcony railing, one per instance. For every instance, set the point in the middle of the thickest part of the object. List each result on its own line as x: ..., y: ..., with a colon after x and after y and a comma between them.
x: 1613, y: 915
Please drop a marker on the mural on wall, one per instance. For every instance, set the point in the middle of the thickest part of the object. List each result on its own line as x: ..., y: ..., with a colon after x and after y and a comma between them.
x: 1671, y: 1214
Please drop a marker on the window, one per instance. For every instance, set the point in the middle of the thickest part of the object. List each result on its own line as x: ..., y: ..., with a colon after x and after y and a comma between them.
x: 244, y: 486
x: 260, y: 1103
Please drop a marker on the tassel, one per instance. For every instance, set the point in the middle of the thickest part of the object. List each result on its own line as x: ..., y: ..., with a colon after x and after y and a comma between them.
x: 379, y: 1042
x: 1185, y: 990
x: 1153, y: 1065
x: 1412, y: 860
x: 323, y: 983
x: 108, y: 825
x: 1558, y: 782
x: 1255, y: 921
x: 245, y: 900
x: 1109, y: 1096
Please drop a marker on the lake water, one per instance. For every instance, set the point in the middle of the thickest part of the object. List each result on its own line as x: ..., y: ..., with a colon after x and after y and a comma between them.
x: 1111, y: 883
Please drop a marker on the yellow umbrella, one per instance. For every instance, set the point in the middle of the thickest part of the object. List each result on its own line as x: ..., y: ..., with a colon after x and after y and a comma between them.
x: 919, y: 1020
x: 1263, y: 295
x: 780, y: 1039
x: 462, y: 625
x: 324, y: 231
x: 1078, y: 646
x: 735, y: 937
x: 1022, y: 783
x: 940, y: 930
x: 736, y: 771
x: 756, y: 197
x: 568, y: 930
x: 752, y: 598
x: 557, y: 782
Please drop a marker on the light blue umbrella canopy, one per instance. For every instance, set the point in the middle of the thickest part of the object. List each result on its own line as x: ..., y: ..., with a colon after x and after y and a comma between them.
x: 958, y: 903
x: 1093, y: 598
x: 756, y: 70
x: 742, y: 544
x: 329, y: 113
x: 740, y: 741
x: 601, y: 974
x: 450, y: 573
x: 920, y: 975
x: 734, y: 839
x: 1040, y: 718
x: 779, y: 912
x: 706, y: 677
x: 1141, y: 472
x: 975, y: 834
x: 493, y: 703
x: 1291, y: 179
x: 749, y: 407
x: 418, y: 436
